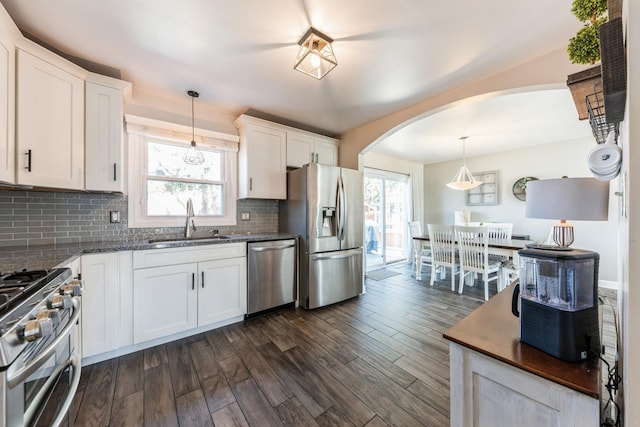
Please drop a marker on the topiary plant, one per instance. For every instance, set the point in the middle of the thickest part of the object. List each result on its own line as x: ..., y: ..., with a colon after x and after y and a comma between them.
x: 584, y: 48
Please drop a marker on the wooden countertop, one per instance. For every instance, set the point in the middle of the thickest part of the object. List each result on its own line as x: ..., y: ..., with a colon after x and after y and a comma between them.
x: 494, y: 331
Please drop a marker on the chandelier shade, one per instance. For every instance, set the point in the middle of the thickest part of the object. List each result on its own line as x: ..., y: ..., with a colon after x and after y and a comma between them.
x: 315, y: 56
x: 193, y: 156
x: 464, y: 179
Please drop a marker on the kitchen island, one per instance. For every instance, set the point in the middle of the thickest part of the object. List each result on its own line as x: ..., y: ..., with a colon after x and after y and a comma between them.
x: 497, y: 380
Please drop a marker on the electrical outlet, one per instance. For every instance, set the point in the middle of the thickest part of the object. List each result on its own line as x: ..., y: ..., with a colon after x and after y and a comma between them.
x: 114, y: 216
x: 245, y: 216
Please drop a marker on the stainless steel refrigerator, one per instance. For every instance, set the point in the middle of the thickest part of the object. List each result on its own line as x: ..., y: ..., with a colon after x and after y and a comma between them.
x: 324, y: 207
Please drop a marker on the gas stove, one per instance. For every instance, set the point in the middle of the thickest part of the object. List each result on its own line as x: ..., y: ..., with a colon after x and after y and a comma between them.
x: 39, y: 366
x: 16, y: 285
x: 22, y: 295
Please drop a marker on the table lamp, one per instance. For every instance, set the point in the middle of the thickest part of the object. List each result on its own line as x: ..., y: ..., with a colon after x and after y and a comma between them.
x: 563, y: 199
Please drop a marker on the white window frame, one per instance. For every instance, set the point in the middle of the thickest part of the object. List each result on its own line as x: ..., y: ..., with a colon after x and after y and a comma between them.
x: 141, y: 129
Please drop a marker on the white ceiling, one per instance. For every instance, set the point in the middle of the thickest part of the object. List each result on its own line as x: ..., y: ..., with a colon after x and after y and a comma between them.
x: 391, y: 55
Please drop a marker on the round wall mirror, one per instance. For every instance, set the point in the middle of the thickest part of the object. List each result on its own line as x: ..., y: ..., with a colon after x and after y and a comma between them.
x: 520, y: 187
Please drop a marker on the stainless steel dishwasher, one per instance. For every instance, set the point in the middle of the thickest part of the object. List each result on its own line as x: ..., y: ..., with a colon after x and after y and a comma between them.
x: 271, y: 280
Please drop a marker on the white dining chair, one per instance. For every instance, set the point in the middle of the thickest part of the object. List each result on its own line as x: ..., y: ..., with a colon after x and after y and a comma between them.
x: 502, y: 231
x: 421, y: 254
x: 473, y: 251
x: 443, y: 252
x: 499, y: 230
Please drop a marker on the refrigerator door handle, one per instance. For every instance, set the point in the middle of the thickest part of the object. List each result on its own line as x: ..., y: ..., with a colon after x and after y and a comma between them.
x: 342, y: 208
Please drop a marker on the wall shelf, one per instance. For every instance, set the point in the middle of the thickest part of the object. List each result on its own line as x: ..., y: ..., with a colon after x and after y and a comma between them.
x: 485, y: 194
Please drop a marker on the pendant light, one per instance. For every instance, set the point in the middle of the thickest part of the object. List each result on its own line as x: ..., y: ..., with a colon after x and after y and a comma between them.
x: 315, y: 56
x: 193, y: 156
x: 463, y: 180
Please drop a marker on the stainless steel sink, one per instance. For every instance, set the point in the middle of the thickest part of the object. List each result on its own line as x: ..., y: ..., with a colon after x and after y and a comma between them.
x: 169, y: 241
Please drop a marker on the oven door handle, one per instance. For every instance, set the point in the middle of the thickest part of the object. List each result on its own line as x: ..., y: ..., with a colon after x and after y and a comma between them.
x: 24, y: 372
x: 43, y: 394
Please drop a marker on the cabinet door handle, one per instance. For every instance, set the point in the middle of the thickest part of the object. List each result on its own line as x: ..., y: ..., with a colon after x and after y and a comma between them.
x: 203, y: 279
x: 250, y: 184
x: 316, y: 157
x: 311, y: 157
x: 114, y: 172
x: 28, y: 167
x: 193, y: 281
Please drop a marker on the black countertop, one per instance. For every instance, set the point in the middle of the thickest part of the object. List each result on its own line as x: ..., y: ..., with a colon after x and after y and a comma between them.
x: 37, y: 257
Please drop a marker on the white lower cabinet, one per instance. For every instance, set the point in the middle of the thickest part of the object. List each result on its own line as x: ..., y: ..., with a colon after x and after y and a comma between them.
x: 165, y: 301
x: 170, y: 299
x: 106, y: 302
x: 223, y: 290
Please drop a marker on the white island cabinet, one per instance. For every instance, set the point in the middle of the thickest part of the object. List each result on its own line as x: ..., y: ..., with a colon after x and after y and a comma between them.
x: 185, y: 290
x: 496, y: 380
x: 50, y: 119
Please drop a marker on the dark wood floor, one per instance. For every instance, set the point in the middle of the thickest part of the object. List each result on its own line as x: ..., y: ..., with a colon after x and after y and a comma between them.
x: 378, y: 359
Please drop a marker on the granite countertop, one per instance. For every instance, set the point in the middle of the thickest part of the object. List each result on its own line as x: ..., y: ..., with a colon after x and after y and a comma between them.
x: 494, y: 331
x: 37, y: 257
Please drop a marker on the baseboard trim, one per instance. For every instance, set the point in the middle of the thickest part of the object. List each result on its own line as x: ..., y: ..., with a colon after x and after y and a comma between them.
x: 608, y: 284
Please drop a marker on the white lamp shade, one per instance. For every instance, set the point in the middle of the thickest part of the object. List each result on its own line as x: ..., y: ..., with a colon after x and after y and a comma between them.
x: 585, y: 199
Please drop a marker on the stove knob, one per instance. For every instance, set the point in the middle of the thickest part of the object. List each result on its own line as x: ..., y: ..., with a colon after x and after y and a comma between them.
x: 54, y: 315
x: 72, y: 289
x: 37, y: 328
x: 59, y: 302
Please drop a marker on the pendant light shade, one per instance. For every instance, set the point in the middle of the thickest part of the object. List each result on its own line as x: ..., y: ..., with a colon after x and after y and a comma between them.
x: 193, y: 156
x: 315, y: 56
x: 464, y: 180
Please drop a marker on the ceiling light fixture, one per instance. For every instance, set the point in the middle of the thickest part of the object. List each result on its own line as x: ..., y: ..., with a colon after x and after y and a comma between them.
x: 315, y: 56
x: 464, y: 180
x: 193, y: 156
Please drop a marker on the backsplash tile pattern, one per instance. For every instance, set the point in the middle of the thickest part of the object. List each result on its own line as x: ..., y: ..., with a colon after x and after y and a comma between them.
x: 42, y: 217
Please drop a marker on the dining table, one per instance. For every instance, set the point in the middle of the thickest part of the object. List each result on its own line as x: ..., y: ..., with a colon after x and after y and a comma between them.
x: 507, y: 248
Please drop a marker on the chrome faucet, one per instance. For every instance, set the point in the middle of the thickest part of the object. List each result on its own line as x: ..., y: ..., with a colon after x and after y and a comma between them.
x: 190, y: 226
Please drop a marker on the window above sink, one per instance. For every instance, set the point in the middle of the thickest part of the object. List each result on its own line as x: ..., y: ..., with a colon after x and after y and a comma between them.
x: 160, y: 183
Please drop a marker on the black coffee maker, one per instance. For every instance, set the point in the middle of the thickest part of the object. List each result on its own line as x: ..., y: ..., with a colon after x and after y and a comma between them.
x: 559, y: 302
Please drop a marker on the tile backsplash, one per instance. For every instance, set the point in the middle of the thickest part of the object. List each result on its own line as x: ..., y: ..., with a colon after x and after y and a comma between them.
x: 43, y: 217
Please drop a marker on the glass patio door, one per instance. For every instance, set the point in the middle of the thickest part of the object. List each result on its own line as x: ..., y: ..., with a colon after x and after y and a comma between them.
x: 386, y: 202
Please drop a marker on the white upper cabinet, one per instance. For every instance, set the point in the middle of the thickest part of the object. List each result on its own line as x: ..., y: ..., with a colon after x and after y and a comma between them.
x: 50, y: 119
x: 267, y: 149
x: 304, y: 147
x: 300, y: 149
x: 104, y: 154
x: 9, y: 34
x: 262, y: 160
